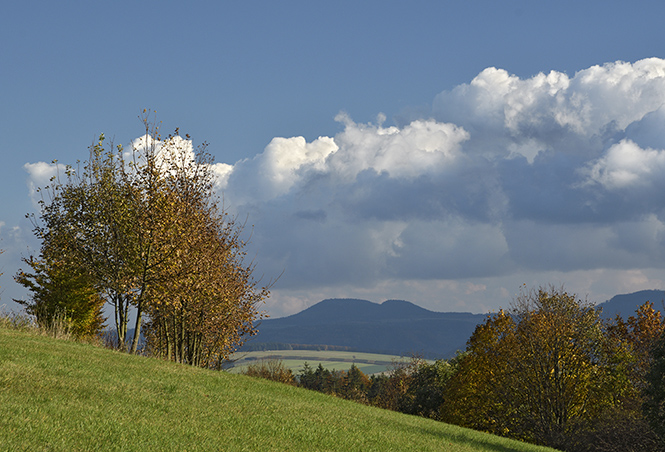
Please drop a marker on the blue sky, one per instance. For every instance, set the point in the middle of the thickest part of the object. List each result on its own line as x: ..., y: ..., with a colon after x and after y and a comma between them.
x: 444, y: 182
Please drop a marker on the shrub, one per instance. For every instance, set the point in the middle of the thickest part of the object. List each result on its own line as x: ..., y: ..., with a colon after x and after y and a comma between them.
x: 271, y: 369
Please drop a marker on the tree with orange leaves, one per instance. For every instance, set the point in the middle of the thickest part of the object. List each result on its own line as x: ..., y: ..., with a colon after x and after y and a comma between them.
x: 147, y: 229
x: 535, y: 373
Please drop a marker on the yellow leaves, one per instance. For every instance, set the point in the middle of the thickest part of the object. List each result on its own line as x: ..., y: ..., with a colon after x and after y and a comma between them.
x: 533, y: 368
x: 150, y: 232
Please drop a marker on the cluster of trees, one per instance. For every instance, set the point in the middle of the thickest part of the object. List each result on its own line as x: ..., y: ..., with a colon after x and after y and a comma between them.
x: 413, y: 386
x: 143, y: 231
x: 549, y: 371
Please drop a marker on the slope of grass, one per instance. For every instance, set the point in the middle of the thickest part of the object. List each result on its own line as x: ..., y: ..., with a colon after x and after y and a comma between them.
x: 62, y: 396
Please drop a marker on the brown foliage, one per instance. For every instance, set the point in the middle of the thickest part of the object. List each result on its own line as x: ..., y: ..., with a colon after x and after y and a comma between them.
x: 148, y: 232
x: 536, y: 373
x: 271, y: 369
x: 639, y: 334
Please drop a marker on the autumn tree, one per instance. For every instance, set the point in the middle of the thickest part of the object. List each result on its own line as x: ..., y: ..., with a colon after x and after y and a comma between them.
x: 640, y: 334
x: 61, y: 291
x: 205, y: 302
x: 88, y: 223
x: 561, y: 366
x: 476, y: 394
x: 354, y: 385
x: 537, y: 373
x: 647, y: 332
x: 146, y: 226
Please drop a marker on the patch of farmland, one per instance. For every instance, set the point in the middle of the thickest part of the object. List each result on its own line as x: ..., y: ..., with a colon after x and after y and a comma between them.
x: 368, y: 363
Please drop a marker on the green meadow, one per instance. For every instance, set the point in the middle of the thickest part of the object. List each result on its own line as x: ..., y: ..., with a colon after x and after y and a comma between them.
x: 60, y: 395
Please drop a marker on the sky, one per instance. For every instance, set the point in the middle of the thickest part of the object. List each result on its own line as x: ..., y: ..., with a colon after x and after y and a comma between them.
x: 441, y: 152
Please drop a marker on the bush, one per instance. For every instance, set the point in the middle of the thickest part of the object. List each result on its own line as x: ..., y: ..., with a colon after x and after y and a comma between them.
x: 271, y: 369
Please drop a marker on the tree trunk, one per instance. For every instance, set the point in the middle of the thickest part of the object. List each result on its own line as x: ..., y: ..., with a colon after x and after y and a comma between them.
x: 137, y: 328
x: 120, y: 320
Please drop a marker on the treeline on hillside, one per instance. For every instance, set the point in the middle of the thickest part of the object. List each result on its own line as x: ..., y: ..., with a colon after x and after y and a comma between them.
x: 410, y: 386
x: 548, y: 371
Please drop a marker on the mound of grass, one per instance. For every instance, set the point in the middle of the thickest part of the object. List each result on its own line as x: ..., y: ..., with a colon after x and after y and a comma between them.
x: 60, y: 395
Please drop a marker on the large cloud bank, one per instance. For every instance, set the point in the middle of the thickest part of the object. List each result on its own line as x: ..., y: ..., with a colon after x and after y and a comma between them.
x: 550, y: 175
x: 507, y: 175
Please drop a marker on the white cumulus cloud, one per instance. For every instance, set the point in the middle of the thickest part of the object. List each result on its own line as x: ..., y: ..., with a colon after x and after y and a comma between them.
x: 626, y: 164
x: 506, y: 181
x: 508, y: 176
x: 40, y: 175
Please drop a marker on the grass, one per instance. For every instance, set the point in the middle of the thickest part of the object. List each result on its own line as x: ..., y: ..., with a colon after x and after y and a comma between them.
x: 58, y: 328
x: 369, y: 363
x: 59, y: 395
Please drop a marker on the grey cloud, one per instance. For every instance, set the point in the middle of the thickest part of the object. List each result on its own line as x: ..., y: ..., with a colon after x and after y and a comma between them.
x: 449, y: 250
x: 649, y: 131
x: 553, y: 173
x: 503, y: 178
x: 470, y: 192
x: 313, y: 215
x: 570, y: 247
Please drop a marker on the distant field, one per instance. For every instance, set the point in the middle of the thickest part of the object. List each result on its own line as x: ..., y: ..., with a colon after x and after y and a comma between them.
x: 369, y: 363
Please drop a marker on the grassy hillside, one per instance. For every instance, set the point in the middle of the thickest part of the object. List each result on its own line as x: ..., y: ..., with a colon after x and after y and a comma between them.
x: 61, y: 396
x: 369, y: 363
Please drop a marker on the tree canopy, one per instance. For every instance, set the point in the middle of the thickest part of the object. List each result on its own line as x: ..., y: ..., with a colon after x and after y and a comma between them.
x: 537, y: 372
x: 144, y: 230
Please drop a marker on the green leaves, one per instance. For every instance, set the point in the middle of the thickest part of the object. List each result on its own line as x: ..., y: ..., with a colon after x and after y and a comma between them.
x: 61, y: 291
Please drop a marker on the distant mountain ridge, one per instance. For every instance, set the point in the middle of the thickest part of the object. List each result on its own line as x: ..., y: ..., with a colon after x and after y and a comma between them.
x: 350, y: 309
x: 626, y: 304
x: 395, y: 327
x: 398, y: 327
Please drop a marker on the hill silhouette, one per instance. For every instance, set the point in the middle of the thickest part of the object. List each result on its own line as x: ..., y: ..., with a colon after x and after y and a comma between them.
x: 397, y: 327
x: 394, y: 327
x: 626, y: 304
